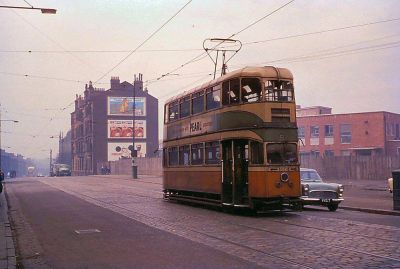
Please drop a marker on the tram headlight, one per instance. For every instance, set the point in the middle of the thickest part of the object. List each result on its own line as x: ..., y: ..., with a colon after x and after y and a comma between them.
x: 284, y: 177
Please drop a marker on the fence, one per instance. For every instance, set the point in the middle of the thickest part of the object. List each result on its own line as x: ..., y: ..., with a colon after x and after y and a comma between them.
x: 340, y: 167
x: 353, y: 167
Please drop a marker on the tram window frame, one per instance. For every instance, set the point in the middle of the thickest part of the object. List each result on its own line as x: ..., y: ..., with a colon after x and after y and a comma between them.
x: 279, y: 90
x: 173, y: 156
x: 231, y: 92
x: 173, y: 107
x: 200, y: 149
x: 211, y: 93
x: 184, y: 107
x: 256, y: 153
x: 212, y: 147
x: 182, y: 151
x: 249, y: 90
x: 197, y: 103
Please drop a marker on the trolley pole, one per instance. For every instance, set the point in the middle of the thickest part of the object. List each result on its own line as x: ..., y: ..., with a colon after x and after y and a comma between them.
x: 133, y: 153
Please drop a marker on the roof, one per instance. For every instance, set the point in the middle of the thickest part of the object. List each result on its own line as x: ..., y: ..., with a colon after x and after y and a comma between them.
x: 250, y: 71
x: 307, y: 170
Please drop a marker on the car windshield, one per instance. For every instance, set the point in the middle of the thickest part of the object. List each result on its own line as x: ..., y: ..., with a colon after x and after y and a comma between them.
x: 310, y: 176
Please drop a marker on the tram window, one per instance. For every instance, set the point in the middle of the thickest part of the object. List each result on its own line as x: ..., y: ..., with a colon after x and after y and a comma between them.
x: 184, y: 107
x: 279, y: 91
x: 173, y: 111
x: 173, y: 156
x: 197, y: 154
x: 282, y: 153
x: 225, y: 93
x: 213, y: 98
x: 234, y: 91
x: 256, y: 153
x: 251, y: 90
x: 198, y: 102
x: 184, y: 154
x: 212, y: 152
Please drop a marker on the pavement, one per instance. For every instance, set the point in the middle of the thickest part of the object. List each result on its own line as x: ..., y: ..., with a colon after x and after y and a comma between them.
x: 7, y: 250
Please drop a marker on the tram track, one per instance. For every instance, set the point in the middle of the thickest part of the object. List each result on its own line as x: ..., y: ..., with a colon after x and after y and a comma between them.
x: 174, y: 227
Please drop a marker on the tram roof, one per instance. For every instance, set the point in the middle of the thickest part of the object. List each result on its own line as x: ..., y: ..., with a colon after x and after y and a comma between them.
x: 248, y: 71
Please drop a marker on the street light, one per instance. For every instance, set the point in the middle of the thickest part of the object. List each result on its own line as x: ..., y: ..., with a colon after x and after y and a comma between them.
x: 43, y: 10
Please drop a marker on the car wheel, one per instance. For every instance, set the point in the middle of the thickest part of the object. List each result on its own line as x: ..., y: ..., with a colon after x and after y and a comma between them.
x: 332, y: 207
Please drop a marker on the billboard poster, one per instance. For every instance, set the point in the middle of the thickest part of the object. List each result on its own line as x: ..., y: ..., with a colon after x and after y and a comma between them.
x: 123, y: 106
x: 123, y: 129
x: 117, y: 150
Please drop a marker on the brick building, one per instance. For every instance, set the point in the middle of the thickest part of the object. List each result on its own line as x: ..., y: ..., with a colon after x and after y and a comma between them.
x: 102, y: 125
x: 327, y: 134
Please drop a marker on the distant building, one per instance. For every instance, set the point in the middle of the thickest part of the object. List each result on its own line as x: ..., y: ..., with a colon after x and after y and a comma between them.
x: 327, y: 134
x: 101, y: 125
x: 14, y: 162
x: 64, y: 149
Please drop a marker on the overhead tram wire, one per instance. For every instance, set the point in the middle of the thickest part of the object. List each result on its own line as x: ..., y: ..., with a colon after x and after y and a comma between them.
x: 144, y: 42
x: 196, y: 58
x: 53, y: 41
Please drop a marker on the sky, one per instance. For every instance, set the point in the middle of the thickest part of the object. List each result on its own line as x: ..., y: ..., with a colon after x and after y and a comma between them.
x: 351, y: 65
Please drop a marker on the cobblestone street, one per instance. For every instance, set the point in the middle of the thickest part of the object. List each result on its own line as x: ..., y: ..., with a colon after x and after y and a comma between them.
x: 274, y: 240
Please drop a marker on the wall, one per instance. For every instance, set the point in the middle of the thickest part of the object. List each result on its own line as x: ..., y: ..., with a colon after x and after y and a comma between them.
x: 146, y: 166
x: 353, y: 167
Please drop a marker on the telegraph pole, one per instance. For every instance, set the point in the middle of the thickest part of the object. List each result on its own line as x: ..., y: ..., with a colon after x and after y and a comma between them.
x: 133, y: 153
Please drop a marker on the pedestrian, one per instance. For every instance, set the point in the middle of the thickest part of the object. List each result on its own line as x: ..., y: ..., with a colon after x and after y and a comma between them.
x: 1, y: 180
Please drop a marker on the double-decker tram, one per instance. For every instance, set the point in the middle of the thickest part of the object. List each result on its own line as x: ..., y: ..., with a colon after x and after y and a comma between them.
x: 233, y: 141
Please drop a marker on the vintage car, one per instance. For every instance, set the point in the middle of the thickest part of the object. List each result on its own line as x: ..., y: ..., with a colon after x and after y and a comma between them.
x: 390, y: 184
x: 317, y: 192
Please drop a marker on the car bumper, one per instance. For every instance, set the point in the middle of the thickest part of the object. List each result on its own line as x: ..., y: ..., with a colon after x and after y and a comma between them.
x: 309, y: 200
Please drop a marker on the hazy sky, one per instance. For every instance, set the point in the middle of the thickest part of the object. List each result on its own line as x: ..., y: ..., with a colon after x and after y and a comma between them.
x: 351, y: 70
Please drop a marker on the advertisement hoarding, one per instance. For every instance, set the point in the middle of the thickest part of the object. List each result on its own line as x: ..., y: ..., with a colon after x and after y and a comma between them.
x: 123, y: 129
x: 123, y: 106
x: 117, y: 150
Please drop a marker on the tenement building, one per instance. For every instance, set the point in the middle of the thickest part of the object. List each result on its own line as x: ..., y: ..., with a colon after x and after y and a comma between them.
x: 103, y: 125
x: 322, y: 133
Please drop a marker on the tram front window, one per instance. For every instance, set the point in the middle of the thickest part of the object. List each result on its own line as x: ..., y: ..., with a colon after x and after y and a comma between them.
x: 279, y: 91
x: 282, y: 153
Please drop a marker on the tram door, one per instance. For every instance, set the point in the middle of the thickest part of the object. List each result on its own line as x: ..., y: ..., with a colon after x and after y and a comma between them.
x: 235, y: 171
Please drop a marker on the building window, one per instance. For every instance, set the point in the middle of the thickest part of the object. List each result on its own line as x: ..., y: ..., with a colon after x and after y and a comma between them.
x: 251, y: 90
x: 256, y: 153
x: 184, y: 153
x: 328, y: 130
x: 345, y: 133
x: 212, y: 152
x: 329, y: 153
x: 198, y: 102
x: 301, y: 132
x: 315, y: 153
x: 213, y: 98
x: 345, y: 153
x: 173, y: 156
x: 314, y: 130
x: 197, y: 154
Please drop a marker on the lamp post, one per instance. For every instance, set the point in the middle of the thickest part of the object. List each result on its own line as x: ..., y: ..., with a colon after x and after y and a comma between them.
x: 133, y: 154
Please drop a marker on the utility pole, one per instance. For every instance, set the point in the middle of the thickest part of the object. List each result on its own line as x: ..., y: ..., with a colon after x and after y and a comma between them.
x: 133, y: 154
x: 51, y: 163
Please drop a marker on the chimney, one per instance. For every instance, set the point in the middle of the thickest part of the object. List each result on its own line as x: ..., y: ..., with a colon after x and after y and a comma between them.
x: 138, y: 83
x: 115, y: 84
